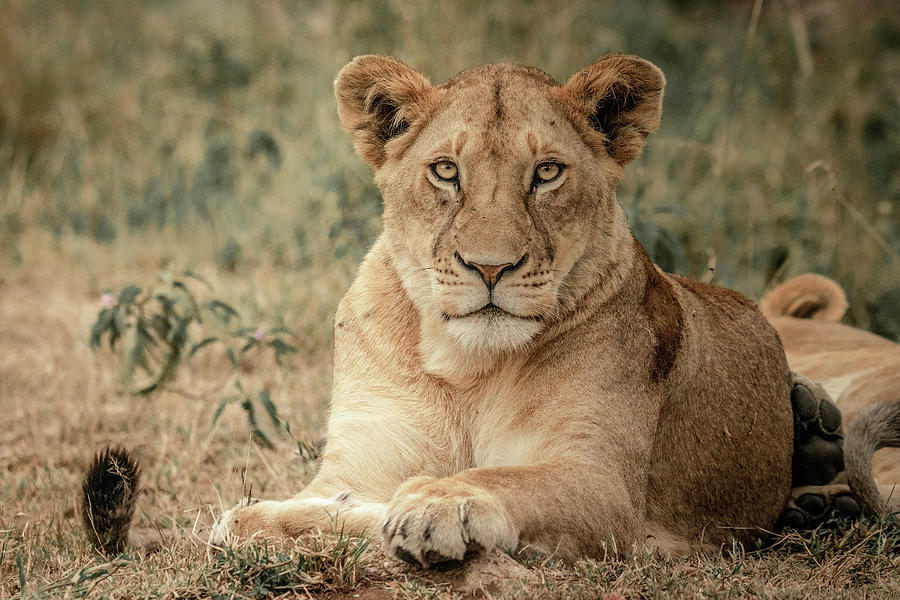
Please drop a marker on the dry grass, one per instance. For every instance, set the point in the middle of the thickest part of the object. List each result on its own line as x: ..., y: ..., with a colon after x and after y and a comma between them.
x: 61, y: 403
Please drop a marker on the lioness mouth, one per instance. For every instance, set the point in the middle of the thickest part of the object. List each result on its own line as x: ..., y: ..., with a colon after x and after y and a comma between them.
x: 490, y: 310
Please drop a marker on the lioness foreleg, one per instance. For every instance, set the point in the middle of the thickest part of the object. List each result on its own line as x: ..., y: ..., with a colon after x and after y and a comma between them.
x: 439, y: 522
x: 288, y: 519
x: 350, y: 492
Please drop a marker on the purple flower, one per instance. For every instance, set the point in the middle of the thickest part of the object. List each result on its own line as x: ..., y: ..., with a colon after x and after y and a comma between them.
x: 107, y: 301
x: 259, y: 335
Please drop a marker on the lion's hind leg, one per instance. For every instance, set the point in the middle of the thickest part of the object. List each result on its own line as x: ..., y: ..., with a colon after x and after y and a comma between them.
x: 819, y: 487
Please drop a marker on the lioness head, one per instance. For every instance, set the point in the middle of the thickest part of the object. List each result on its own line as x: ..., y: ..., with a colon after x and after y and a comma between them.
x: 499, y: 185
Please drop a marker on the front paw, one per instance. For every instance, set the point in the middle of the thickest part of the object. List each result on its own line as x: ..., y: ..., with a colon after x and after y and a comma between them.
x: 233, y: 524
x: 439, y: 523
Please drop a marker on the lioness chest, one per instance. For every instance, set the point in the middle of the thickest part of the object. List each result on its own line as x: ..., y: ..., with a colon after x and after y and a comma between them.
x: 570, y: 399
x: 506, y: 421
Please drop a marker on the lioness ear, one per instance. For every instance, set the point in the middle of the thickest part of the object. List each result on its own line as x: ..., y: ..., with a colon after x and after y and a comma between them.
x: 621, y: 97
x: 378, y: 97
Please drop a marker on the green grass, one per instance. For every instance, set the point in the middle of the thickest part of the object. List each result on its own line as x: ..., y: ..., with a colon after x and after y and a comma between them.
x: 140, y: 136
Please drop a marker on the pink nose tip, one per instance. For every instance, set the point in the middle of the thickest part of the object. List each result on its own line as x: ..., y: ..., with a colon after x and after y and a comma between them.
x: 491, y: 274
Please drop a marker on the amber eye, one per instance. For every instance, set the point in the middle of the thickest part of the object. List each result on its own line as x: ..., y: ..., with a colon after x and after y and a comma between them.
x: 445, y: 170
x: 547, y: 172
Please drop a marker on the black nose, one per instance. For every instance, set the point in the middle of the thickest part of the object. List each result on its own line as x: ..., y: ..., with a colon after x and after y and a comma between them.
x: 491, y: 274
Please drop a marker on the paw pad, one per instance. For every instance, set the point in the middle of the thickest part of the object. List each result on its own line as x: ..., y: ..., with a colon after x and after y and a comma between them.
x: 846, y: 506
x: 810, y: 506
x: 815, y: 414
x: 818, y: 436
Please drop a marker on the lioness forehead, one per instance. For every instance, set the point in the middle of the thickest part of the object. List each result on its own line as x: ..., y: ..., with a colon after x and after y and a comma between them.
x: 498, y: 104
x: 500, y: 71
x: 502, y: 91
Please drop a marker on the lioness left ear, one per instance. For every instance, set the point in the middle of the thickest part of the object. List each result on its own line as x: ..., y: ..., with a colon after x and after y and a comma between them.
x: 620, y: 97
x: 378, y: 98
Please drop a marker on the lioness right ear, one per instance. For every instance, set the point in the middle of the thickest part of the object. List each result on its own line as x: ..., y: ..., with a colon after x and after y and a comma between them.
x: 621, y: 98
x: 378, y: 97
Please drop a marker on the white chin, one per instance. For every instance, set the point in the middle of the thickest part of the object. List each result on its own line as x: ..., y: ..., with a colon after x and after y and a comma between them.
x: 492, y: 332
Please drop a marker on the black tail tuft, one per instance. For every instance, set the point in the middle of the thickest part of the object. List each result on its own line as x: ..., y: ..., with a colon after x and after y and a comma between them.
x: 108, y: 498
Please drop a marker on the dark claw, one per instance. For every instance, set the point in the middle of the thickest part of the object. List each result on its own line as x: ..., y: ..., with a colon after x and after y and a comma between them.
x: 473, y: 549
x: 404, y: 527
x: 439, y: 562
x: 405, y: 556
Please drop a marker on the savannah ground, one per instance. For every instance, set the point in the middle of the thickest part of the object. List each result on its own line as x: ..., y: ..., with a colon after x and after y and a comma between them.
x: 137, y: 138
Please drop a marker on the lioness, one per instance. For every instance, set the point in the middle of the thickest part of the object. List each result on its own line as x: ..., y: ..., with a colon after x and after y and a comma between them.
x: 510, y: 367
x: 860, y: 371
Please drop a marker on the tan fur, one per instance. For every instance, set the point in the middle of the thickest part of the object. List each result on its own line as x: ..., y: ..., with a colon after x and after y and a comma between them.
x: 807, y: 296
x: 858, y: 369
x: 608, y: 404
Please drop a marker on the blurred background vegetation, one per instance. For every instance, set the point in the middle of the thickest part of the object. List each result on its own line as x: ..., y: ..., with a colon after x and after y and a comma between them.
x: 205, y: 133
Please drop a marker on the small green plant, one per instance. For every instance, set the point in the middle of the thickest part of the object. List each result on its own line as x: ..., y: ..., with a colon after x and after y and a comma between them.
x: 156, y: 331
